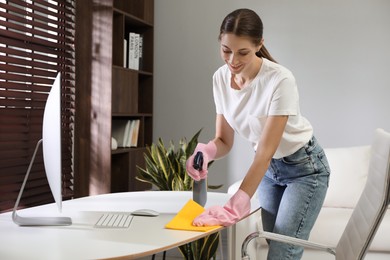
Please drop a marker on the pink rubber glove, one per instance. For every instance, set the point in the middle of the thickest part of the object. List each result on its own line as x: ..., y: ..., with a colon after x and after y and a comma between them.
x: 235, y: 209
x: 209, y: 151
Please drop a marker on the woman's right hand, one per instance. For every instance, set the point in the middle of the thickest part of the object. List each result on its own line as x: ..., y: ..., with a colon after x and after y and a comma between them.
x: 209, y: 151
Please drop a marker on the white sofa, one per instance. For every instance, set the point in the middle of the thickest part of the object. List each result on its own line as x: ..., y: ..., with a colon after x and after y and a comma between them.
x: 349, y: 167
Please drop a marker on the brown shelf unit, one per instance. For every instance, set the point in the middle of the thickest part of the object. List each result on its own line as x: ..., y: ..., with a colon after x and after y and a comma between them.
x: 132, y: 89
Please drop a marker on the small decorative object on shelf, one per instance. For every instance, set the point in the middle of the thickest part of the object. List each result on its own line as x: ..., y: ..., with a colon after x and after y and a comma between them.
x: 114, y: 144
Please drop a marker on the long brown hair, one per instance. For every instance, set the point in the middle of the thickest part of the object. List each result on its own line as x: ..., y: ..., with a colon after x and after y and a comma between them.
x: 245, y: 22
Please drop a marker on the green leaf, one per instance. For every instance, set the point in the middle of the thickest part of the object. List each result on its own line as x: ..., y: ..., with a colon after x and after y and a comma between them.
x: 192, y: 144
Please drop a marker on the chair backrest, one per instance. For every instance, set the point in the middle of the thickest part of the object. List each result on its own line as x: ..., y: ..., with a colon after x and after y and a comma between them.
x: 372, y: 204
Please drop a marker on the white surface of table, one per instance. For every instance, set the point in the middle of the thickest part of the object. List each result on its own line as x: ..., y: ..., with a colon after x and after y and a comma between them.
x: 81, y: 240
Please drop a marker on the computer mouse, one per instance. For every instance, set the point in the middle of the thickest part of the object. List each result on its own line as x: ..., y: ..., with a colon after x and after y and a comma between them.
x: 145, y: 213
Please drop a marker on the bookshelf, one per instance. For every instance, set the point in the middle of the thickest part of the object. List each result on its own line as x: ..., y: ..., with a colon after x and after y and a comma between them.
x: 132, y: 87
x: 107, y: 90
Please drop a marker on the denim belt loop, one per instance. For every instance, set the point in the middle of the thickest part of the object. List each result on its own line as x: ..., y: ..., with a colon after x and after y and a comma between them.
x: 311, y: 144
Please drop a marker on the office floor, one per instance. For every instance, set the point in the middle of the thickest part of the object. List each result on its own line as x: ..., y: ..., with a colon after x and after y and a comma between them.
x: 174, y: 254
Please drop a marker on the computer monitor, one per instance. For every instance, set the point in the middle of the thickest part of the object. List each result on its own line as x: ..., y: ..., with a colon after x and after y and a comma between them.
x: 51, y: 146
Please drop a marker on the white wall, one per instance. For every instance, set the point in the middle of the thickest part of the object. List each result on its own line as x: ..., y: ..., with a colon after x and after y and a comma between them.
x: 338, y: 51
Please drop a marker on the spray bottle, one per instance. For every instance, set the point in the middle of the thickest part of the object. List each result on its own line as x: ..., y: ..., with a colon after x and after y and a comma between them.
x: 199, y: 189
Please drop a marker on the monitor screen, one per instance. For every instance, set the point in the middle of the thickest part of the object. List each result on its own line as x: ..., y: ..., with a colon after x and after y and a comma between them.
x: 51, y: 140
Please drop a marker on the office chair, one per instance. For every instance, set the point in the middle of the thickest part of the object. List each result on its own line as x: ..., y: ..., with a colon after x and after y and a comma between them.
x: 366, y: 216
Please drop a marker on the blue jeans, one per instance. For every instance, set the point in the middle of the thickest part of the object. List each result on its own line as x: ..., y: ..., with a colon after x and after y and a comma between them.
x: 291, y: 196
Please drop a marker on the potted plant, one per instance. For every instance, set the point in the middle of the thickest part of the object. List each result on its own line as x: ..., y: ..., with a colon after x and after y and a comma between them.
x: 166, y: 169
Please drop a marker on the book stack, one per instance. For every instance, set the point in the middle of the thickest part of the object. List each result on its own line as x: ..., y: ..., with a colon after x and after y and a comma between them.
x: 126, y: 132
x: 133, y: 51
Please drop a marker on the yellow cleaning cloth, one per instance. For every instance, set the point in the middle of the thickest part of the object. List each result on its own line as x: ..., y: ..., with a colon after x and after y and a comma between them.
x: 183, y: 220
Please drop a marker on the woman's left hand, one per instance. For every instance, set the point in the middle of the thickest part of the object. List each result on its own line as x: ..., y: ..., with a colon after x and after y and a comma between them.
x: 235, y: 209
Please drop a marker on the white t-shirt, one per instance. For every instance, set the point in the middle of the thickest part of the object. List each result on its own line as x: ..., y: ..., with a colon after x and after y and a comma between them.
x: 272, y: 92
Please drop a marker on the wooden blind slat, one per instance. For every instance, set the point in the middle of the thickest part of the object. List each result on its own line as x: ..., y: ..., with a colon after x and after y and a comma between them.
x: 15, y: 114
x: 18, y: 77
x: 23, y: 94
x: 30, y: 47
x: 23, y: 36
x: 21, y: 103
x: 28, y: 66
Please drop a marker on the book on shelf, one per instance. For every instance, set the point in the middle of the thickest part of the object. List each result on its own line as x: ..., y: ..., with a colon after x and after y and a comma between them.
x: 136, y: 51
x: 141, y: 42
x: 134, y: 132
x: 135, y: 46
x: 126, y: 132
x: 125, y: 46
x: 120, y: 131
x: 131, y: 51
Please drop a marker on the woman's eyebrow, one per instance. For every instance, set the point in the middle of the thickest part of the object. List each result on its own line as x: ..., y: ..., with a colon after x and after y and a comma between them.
x: 243, y: 49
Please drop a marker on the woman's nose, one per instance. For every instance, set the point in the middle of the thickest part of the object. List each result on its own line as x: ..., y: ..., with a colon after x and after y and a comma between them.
x: 232, y: 59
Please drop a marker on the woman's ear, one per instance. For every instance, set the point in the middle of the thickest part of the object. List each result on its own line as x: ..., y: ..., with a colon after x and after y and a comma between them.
x: 261, y: 44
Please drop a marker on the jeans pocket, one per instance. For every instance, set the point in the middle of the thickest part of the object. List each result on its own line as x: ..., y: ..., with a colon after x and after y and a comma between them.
x: 324, y: 161
x: 297, y: 158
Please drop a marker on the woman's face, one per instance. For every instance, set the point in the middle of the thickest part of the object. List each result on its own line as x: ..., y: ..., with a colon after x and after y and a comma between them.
x: 239, y: 53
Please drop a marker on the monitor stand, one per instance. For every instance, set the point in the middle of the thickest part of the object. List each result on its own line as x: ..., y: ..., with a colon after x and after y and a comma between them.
x: 36, y: 221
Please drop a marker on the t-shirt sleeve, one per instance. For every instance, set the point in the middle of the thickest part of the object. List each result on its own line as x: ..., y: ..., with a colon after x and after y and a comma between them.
x: 217, y: 94
x: 285, y: 98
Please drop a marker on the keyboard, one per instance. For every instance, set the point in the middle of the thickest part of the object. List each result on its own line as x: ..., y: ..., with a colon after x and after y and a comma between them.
x: 114, y: 220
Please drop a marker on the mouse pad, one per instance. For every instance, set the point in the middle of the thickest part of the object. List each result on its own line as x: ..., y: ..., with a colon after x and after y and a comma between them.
x: 184, y: 218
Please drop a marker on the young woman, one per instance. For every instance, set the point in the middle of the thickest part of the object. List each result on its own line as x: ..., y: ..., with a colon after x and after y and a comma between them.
x: 258, y: 99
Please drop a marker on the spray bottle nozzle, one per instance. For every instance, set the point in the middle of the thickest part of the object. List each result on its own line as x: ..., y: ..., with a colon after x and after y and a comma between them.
x: 198, y: 161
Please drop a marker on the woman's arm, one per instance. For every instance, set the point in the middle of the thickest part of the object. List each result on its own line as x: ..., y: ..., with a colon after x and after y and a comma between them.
x: 224, y: 136
x: 239, y: 204
x: 268, y: 143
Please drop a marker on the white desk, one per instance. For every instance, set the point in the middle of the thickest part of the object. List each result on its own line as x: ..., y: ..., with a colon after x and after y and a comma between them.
x: 145, y: 236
